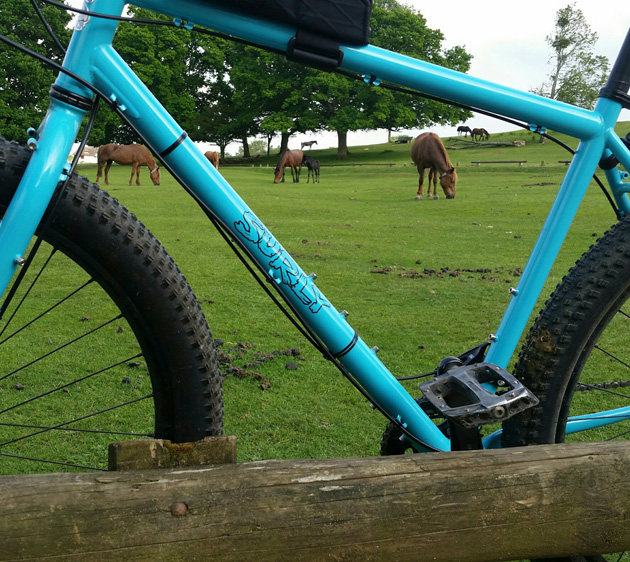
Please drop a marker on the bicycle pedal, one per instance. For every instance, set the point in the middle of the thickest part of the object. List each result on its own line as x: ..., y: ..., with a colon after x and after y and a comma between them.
x: 460, y: 395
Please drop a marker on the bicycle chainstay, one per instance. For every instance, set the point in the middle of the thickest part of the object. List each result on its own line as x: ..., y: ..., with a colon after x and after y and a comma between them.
x: 602, y: 385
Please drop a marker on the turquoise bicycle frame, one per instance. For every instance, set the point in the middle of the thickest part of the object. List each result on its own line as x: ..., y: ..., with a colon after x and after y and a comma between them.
x: 92, y: 57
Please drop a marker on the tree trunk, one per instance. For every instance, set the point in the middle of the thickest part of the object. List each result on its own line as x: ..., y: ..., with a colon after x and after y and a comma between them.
x: 269, y: 139
x: 389, y: 135
x: 284, y: 142
x: 342, y: 145
x: 246, y: 153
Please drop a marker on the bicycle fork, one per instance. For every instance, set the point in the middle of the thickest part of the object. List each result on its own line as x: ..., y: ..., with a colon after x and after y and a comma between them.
x: 51, y: 145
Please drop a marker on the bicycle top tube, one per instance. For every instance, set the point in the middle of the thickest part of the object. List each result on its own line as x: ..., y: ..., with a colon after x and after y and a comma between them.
x: 399, y: 69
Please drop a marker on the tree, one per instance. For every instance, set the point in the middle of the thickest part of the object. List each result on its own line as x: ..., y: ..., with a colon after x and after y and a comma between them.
x: 401, y: 29
x: 173, y: 63
x: 24, y: 81
x: 577, y: 74
x: 217, y: 122
x: 348, y: 105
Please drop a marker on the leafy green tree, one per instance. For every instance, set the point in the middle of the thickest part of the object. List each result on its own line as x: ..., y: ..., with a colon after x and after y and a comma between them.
x: 339, y: 104
x: 217, y: 123
x: 24, y: 81
x: 344, y: 105
x: 577, y: 73
x: 174, y: 63
x: 402, y: 29
x: 256, y: 148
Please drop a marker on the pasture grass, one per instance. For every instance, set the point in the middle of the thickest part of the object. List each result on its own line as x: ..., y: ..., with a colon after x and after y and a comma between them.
x: 369, y: 242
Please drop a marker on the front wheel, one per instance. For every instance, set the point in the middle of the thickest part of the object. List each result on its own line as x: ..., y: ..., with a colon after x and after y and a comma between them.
x: 104, y: 340
x: 576, y: 358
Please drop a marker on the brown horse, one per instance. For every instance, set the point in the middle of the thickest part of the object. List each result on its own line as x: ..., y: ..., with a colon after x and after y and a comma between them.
x: 307, y: 144
x: 429, y: 152
x: 479, y: 134
x: 292, y: 158
x: 134, y: 154
x: 213, y: 157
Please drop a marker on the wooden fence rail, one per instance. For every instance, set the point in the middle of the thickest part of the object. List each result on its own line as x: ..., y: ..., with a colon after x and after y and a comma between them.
x: 470, y: 506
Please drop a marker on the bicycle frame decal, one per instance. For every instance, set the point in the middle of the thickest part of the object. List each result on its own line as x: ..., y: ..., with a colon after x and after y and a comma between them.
x: 289, y: 273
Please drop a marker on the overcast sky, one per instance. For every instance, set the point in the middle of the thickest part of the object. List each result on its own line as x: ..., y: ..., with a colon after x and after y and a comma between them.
x: 508, y: 39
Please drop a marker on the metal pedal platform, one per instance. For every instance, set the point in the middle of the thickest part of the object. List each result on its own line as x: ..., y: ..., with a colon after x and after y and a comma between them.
x: 460, y: 395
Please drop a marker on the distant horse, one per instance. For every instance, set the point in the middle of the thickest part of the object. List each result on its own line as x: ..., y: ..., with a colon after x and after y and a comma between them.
x: 463, y: 129
x: 213, y: 157
x: 126, y: 154
x: 292, y: 158
x: 313, y: 168
x: 479, y: 134
x: 429, y: 152
x: 307, y: 144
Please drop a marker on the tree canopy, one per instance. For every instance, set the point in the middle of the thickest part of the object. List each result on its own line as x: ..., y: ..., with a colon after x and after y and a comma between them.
x: 222, y: 92
x: 174, y: 64
x: 274, y: 96
x: 577, y: 74
x: 24, y: 81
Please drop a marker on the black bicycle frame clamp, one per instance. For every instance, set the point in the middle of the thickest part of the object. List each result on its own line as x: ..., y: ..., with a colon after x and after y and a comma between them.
x: 315, y: 50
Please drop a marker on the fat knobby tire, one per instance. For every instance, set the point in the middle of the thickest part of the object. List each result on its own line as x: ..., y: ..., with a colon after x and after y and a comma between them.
x: 563, y: 335
x: 120, y: 253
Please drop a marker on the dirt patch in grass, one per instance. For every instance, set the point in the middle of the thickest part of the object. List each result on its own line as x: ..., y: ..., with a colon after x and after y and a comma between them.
x: 482, y: 273
x: 242, y: 360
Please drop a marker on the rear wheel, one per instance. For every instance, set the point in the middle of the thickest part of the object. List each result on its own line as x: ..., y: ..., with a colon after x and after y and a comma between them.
x: 576, y: 358
x: 104, y: 340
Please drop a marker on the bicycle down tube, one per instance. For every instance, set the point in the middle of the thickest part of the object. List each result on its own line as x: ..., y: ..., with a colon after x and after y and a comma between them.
x: 92, y: 57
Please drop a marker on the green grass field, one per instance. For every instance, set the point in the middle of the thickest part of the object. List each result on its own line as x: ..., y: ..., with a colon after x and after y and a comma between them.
x: 420, y: 279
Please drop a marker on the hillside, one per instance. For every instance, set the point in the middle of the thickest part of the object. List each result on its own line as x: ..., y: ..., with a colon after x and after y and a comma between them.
x: 460, y: 150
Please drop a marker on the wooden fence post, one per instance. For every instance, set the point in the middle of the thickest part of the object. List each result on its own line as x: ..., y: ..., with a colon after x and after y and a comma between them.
x: 537, y: 502
x: 145, y: 454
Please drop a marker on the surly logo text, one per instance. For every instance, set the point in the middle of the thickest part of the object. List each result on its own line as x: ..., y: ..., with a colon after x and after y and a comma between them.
x: 282, y: 267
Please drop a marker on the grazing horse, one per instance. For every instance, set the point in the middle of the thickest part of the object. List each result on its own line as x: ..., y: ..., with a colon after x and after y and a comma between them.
x: 429, y: 152
x: 313, y: 168
x: 213, y: 157
x: 126, y: 154
x: 307, y: 144
x: 479, y: 134
x: 292, y: 158
x: 463, y: 129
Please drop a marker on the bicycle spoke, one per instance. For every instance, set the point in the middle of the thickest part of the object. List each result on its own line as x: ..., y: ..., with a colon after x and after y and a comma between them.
x: 43, y: 313
x: 72, y: 382
x: 618, y: 436
x: 612, y: 356
x: 63, y: 346
x: 79, y: 429
x: 14, y: 287
x: 47, y: 461
x: 75, y: 420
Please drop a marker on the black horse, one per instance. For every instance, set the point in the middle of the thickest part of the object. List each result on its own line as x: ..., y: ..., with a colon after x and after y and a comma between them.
x: 463, y: 129
x: 313, y: 168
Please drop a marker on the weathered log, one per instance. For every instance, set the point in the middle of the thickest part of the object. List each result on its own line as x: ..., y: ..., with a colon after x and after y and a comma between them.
x: 469, y: 506
x: 471, y: 144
